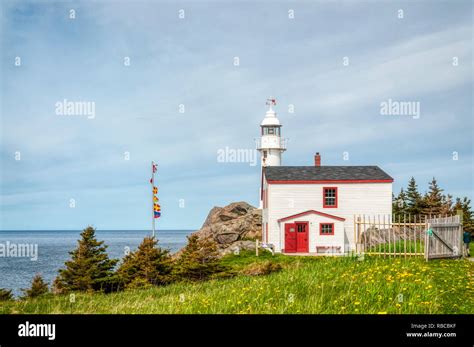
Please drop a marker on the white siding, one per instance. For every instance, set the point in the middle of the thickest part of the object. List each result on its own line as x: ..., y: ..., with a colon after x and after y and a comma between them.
x: 353, y: 199
x: 314, y: 237
x: 264, y: 212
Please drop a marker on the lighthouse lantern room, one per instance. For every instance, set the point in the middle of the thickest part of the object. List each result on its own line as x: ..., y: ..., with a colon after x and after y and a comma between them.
x: 270, y: 144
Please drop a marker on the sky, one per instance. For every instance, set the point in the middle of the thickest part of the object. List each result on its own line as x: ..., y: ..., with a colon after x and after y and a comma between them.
x: 169, y: 89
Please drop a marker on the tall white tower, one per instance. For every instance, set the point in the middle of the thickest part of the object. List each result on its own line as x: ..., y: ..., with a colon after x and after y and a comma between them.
x: 270, y: 144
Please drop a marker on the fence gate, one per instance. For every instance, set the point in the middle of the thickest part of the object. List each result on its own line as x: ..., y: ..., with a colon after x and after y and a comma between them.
x: 443, y: 237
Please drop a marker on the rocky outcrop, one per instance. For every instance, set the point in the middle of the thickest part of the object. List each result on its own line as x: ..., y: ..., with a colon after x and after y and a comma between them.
x: 238, y: 246
x: 232, y: 226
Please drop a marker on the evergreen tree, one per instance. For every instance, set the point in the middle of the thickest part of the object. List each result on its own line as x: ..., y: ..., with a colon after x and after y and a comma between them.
x: 89, y: 268
x: 6, y: 294
x: 58, y: 287
x: 199, y: 260
x: 414, y: 199
x: 447, y: 205
x: 467, y: 214
x: 433, y: 200
x: 148, y: 265
x: 399, y: 203
x: 38, y: 287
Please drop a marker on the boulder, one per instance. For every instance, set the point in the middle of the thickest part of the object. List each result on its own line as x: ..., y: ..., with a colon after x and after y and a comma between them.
x: 235, y: 225
x: 238, y: 246
x: 227, y: 213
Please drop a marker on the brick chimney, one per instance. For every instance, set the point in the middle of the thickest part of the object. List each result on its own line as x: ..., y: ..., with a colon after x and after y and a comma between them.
x: 317, y: 159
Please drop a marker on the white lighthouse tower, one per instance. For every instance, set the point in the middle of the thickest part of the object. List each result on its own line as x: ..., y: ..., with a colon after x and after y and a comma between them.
x: 270, y: 144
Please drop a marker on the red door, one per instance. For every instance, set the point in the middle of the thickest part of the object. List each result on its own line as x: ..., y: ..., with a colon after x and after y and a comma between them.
x: 290, y: 238
x: 302, y: 237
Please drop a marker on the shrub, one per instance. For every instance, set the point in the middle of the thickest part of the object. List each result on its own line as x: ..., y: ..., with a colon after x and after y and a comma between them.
x: 262, y: 268
x: 38, y: 287
x: 89, y: 269
x: 148, y: 264
x: 139, y: 283
x: 200, y: 260
x: 6, y: 294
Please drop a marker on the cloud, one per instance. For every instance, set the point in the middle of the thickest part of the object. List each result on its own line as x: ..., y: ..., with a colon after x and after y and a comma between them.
x: 190, y: 62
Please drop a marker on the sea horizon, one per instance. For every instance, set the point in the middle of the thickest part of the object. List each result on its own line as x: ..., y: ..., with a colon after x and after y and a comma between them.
x: 53, y: 247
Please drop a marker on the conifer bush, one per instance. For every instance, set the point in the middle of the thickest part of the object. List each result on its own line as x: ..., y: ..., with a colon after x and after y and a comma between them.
x: 148, y: 265
x: 89, y: 268
x: 38, y: 287
x: 200, y: 261
x: 6, y: 294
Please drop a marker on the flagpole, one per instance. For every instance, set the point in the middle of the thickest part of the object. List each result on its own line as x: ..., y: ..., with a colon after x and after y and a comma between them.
x: 153, y: 198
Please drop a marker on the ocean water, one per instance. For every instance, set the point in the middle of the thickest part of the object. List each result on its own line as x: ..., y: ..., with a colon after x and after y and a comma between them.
x: 53, y: 249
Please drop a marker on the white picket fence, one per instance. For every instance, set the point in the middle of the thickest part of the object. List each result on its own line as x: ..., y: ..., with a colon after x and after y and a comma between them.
x: 405, y: 235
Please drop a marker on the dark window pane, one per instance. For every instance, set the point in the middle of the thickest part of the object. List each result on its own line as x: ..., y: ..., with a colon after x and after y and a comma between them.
x: 330, y: 196
x: 326, y: 229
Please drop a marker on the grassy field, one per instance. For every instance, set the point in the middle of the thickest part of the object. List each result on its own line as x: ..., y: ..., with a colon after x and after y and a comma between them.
x: 399, y: 247
x: 305, y: 285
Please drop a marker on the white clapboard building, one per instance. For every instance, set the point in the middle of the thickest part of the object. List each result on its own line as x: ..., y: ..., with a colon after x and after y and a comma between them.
x: 310, y: 209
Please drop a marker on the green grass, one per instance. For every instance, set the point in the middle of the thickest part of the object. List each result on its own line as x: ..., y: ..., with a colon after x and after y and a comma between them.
x: 305, y: 285
x: 399, y: 247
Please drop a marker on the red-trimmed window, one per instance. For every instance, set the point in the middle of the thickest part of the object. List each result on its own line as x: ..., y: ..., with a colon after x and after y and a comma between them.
x: 330, y: 197
x: 326, y: 228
